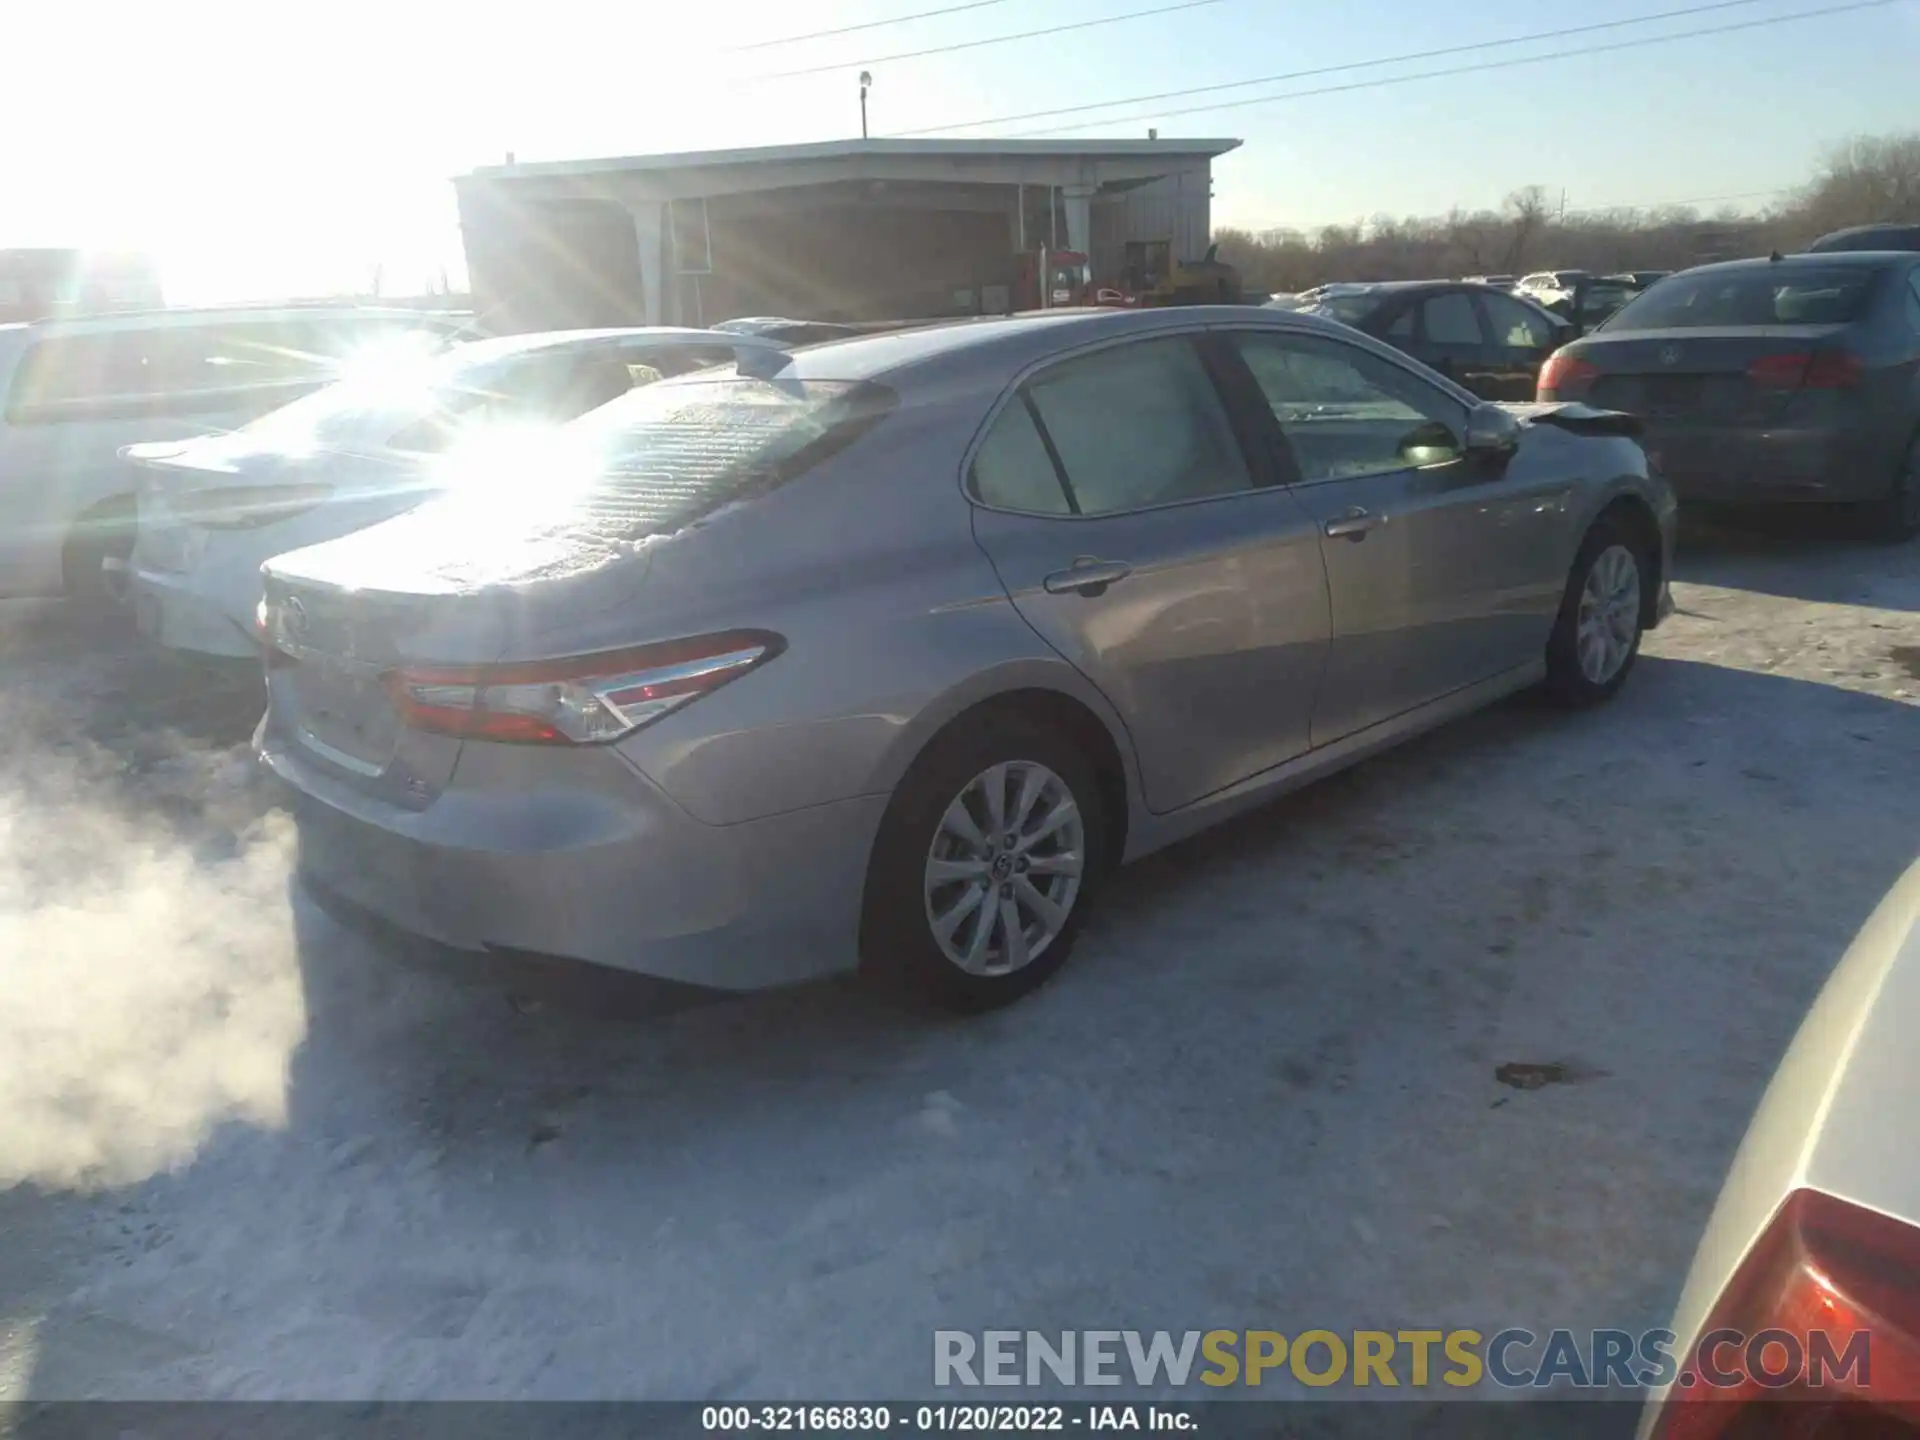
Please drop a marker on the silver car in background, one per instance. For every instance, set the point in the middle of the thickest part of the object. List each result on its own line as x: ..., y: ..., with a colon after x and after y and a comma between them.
x: 213, y: 509
x: 886, y: 652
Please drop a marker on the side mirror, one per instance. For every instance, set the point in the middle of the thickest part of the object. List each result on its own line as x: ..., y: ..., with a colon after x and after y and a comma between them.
x: 1492, y: 431
x: 1429, y: 444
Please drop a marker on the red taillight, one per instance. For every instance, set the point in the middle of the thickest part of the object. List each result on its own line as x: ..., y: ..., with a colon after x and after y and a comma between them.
x: 1566, y: 377
x: 1833, y: 370
x: 1806, y: 370
x: 585, y: 700
x: 1824, y: 1273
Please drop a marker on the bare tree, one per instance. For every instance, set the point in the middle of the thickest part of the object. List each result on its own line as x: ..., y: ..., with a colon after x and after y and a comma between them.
x: 1863, y: 181
x: 1867, y: 180
x: 1528, y: 208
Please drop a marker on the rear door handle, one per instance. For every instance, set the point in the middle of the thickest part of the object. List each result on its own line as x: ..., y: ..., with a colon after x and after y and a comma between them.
x: 1087, y: 577
x: 1356, y: 524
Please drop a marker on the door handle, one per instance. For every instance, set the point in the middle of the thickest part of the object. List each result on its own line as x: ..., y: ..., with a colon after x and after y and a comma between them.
x: 1087, y: 577
x: 1356, y: 524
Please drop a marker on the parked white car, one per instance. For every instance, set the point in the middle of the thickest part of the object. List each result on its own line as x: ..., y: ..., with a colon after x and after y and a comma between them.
x: 213, y: 510
x: 77, y: 391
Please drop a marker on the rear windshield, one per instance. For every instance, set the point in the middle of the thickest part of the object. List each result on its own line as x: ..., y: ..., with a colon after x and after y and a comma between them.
x: 1731, y: 298
x: 1603, y: 297
x: 668, y: 454
x: 1878, y: 237
x: 422, y: 402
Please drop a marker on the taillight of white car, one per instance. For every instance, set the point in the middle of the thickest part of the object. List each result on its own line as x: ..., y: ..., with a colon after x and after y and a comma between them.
x: 1825, y: 1307
x: 586, y: 700
x: 245, y: 507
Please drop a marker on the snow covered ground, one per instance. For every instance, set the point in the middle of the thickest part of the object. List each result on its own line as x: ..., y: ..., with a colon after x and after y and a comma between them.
x: 247, y: 1153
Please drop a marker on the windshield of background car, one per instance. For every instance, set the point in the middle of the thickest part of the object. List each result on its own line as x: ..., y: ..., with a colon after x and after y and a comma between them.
x: 1348, y: 309
x: 667, y: 454
x: 1732, y: 298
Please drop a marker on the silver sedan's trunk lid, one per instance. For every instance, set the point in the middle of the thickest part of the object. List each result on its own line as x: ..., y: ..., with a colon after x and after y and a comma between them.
x: 342, y: 617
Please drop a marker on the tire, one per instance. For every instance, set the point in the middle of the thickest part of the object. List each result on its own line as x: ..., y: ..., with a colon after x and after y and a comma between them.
x: 97, y: 538
x: 1615, y: 602
x: 1896, y: 517
x: 898, y: 944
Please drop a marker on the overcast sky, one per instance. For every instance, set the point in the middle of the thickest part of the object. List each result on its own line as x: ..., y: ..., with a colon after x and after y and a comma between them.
x: 263, y: 148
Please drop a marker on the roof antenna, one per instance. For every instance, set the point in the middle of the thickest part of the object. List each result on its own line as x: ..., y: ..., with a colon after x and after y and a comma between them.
x: 1776, y: 257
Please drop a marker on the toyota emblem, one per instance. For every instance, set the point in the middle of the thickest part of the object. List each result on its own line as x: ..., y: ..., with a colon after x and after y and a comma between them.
x: 1669, y: 354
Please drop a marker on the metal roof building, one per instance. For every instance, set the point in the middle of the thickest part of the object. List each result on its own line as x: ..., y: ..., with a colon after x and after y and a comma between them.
x: 847, y: 229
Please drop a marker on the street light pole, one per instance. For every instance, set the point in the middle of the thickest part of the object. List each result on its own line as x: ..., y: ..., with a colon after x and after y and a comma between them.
x: 866, y: 79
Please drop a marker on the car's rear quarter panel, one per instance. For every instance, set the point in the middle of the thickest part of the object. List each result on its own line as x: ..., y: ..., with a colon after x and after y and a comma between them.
x: 893, y: 618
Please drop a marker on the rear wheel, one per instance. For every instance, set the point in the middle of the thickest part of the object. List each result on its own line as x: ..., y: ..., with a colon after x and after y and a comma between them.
x: 1596, y: 636
x: 985, y: 864
x: 95, y: 560
x: 1897, y: 516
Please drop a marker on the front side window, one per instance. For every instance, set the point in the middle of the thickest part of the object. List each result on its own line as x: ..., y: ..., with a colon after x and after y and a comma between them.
x: 1138, y: 425
x: 1450, y: 320
x: 1516, y: 326
x: 1348, y: 413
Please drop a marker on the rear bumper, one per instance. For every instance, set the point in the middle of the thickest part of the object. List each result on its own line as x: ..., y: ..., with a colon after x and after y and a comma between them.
x: 584, y: 858
x: 1735, y: 465
x: 176, y: 611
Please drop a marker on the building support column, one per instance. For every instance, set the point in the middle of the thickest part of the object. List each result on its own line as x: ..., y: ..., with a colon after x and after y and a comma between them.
x: 1078, y: 203
x: 649, y: 230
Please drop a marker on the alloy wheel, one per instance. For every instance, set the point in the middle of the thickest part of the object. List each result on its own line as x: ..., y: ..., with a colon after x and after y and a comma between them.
x: 1004, y: 868
x: 1609, y: 618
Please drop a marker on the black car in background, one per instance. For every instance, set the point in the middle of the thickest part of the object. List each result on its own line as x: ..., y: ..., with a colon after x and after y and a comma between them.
x: 1868, y: 237
x: 1491, y: 342
x: 1794, y: 378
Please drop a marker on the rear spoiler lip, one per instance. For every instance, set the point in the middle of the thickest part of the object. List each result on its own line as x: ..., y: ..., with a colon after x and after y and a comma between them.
x: 1578, y: 418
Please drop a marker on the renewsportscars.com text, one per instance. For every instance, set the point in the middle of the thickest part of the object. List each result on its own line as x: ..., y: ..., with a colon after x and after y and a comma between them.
x: 1415, y: 1359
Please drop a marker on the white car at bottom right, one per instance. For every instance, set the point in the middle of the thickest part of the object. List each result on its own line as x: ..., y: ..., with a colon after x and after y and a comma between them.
x: 1801, y: 1315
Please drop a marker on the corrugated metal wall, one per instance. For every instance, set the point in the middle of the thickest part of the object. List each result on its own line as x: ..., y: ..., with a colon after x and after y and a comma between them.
x: 1175, y: 207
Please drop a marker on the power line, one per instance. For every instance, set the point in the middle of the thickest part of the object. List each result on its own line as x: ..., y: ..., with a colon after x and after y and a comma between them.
x: 1614, y: 45
x: 864, y: 25
x: 1559, y: 34
x: 990, y: 40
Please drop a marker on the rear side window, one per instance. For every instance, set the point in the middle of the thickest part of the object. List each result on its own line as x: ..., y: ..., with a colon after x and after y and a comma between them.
x: 1450, y: 320
x: 1802, y: 295
x: 1012, y: 469
x: 1138, y: 425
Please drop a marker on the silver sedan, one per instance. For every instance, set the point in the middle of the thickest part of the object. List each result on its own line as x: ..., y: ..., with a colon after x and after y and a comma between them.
x: 887, y: 652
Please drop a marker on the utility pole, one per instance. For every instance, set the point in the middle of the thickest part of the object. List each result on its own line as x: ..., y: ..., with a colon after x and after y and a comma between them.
x: 866, y: 80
